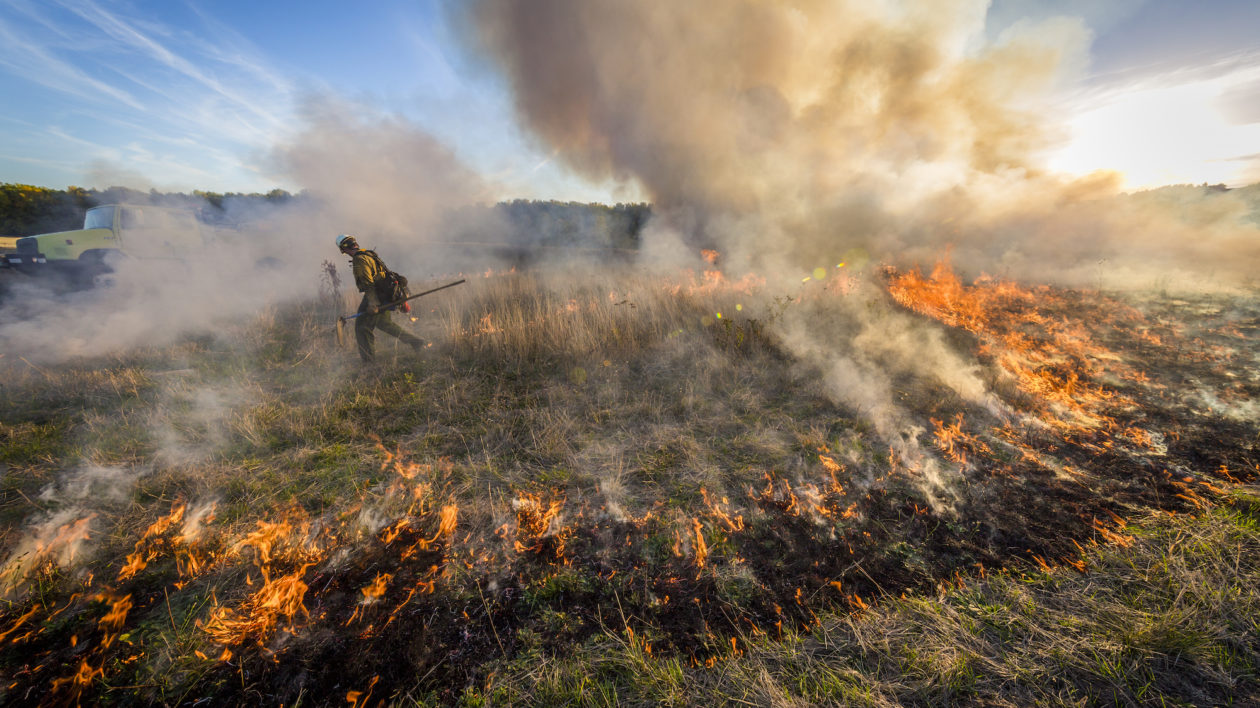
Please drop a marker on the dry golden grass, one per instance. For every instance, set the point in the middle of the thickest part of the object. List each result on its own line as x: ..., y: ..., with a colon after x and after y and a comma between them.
x: 596, y: 489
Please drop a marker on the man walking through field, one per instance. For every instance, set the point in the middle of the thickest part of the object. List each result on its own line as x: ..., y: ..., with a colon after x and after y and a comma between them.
x: 369, y: 270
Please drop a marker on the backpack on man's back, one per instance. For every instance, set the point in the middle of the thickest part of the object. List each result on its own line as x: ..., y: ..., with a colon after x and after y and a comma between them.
x: 390, y: 287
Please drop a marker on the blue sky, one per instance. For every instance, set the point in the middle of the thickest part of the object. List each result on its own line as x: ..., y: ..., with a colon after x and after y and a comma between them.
x: 192, y: 94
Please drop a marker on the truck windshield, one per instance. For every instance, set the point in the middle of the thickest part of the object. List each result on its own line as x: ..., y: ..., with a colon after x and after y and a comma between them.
x: 99, y: 218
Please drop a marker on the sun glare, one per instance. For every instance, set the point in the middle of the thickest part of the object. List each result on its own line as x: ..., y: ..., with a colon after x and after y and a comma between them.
x: 1160, y: 135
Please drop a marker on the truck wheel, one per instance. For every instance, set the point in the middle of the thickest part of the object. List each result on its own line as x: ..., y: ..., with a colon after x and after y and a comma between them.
x: 96, y: 266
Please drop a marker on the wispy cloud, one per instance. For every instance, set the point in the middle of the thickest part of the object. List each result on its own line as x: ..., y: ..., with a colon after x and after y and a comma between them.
x: 37, y: 63
x: 181, y: 82
x: 56, y: 164
x: 133, y: 38
x: 226, y: 46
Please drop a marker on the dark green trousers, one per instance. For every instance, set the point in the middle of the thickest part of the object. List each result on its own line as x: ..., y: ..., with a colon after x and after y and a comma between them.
x: 365, y: 335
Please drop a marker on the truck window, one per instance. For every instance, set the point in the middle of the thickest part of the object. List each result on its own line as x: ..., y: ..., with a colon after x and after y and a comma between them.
x: 99, y: 218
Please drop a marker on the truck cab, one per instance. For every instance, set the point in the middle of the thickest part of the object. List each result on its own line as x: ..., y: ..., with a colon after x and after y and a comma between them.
x: 110, y: 231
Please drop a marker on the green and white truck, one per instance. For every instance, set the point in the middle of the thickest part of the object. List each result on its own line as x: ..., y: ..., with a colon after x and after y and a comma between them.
x: 109, y: 232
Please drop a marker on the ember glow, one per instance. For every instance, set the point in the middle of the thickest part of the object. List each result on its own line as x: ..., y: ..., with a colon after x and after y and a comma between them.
x: 1052, y: 360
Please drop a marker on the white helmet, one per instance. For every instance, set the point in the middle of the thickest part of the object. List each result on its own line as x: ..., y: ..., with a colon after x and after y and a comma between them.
x: 345, y: 241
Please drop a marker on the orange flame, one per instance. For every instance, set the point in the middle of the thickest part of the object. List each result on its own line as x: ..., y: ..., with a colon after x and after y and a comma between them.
x: 731, y: 524
x: 81, y: 679
x: 260, y: 614
x: 140, y: 557
x: 447, y: 520
x: 698, y: 545
x: 488, y: 327
x: 61, y: 548
x: 537, y: 526
x: 374, y: 590
x: 954, y: 442
x: 360, y: 698
x: 115, y: 618
x: 1047, y: 356
x: 780, y: 496
x: 20, y: 621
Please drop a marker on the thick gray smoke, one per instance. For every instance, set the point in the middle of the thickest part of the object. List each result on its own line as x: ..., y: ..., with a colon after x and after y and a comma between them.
x: 378, y: 176
x: 788, y: 133
x: 365, y: 173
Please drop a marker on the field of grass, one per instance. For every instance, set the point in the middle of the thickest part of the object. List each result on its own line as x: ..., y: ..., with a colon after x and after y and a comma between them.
x: 886, y: 489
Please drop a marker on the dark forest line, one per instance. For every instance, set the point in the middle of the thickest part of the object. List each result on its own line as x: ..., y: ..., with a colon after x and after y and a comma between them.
x: 27, y: 210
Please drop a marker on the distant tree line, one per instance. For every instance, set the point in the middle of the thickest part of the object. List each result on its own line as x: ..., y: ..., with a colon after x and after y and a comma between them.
x: 26, y: 210
x: 548, y: 224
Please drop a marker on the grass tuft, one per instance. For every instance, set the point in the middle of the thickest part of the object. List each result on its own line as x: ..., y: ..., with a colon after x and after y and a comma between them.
x: 597, y: 491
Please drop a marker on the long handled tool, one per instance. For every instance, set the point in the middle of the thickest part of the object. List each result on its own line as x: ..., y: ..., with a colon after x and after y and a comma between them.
x: 341, y: 321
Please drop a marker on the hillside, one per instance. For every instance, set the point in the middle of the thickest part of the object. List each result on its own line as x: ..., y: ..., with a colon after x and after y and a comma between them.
x: 872, y: 488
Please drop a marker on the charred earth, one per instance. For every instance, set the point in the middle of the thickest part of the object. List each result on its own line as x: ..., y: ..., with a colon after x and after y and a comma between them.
x: 874, y: 489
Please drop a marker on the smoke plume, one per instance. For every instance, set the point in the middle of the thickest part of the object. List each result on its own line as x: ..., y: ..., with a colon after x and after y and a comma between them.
x: 375, y: 175
x: 366, y: 173
x: 788, y: 133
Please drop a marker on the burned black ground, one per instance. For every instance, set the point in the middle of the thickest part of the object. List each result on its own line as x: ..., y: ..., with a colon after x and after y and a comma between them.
x: 785, y: 541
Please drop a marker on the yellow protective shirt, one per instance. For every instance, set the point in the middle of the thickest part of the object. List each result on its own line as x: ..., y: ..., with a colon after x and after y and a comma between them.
x: 367, y: 269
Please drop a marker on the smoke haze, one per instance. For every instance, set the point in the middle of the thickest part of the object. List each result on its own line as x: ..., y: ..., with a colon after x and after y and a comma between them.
x: 788, y: 133
x: 375, y: 174
x: 789, y: 136
x: 366, y: 173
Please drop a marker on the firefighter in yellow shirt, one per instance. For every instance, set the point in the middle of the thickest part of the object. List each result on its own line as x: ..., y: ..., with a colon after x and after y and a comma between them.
x: 368, y: 269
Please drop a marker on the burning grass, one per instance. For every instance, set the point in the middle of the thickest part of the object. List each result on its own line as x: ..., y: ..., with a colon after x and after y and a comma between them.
x: 1167, y: 615
x: 658, y: 484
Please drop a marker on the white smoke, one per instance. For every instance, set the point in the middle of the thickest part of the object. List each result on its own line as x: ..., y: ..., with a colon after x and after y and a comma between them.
x: 377, y: 176
x: 56, y: 539
x: 363, y: 172
x: 787, y: 133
